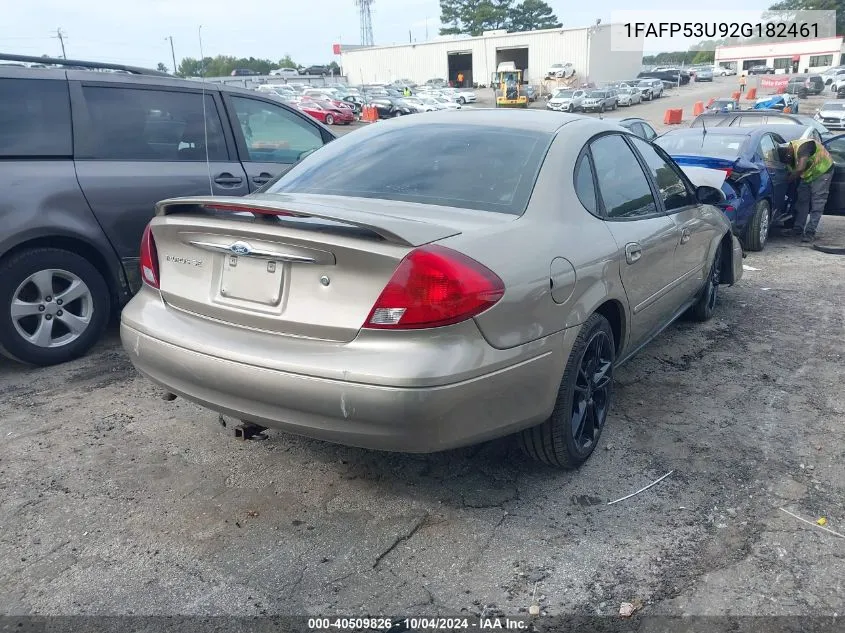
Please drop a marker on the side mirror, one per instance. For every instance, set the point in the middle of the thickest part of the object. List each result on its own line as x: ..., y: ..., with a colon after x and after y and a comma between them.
x: 709, y: 195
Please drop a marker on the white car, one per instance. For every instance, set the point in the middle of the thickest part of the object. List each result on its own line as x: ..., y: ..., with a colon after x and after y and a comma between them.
x: 832, y: 115
x: 832, y: 74
x: 629, y: 96
x: 285, y: 72
x: 418, y: 104
x: 562, y: 71
x: 566, y: 100
x: 446, y: 104
x: 460, y: 95
x: 276, y: 90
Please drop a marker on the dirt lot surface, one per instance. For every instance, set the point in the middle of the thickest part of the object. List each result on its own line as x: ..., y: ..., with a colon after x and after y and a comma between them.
x: 113, y: 500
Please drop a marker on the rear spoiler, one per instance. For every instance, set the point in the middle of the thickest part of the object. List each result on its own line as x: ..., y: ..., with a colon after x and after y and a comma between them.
x: 395, y: 229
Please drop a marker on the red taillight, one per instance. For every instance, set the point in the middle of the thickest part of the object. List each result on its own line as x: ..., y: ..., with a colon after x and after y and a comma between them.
x: 149, y: 259
x: 434, y: 286
x: 728, y: 171
x: 233, y: 208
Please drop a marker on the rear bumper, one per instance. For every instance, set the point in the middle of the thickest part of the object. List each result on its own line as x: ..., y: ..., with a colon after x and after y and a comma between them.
x: 479, y: 392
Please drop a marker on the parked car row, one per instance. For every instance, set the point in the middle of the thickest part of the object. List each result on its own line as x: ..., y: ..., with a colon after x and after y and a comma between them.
x: 608, y: 97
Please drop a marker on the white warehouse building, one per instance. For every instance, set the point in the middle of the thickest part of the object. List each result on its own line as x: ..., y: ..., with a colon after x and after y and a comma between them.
x: 588, y: 49
x: 792, y: 56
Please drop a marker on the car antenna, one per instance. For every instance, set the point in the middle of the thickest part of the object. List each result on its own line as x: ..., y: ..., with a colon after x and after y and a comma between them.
x: 704, y: 133
x: 204, y: 117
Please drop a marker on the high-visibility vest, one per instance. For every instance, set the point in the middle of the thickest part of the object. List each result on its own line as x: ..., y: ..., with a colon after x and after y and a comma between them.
x: 820, y: 161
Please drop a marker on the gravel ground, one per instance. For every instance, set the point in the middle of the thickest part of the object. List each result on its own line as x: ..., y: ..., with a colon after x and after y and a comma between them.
x: 115, y: 501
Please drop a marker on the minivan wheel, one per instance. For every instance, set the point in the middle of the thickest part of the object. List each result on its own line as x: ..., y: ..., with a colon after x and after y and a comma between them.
x: 757, y: 231
x: 570, y: 435
x: 54, y: 305
x: 705, y: 306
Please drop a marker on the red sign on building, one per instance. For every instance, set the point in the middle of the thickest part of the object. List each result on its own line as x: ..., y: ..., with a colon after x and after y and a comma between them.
x: 336, y: 49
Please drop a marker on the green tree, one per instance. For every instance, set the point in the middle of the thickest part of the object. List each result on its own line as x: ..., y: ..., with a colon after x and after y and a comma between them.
x: 161, y: 68
x: 786, y: 10
x: 473, y: 17
x: 287, y: 62
x: 334, y: 68
x: 704, y: 57
x: 532, y: 15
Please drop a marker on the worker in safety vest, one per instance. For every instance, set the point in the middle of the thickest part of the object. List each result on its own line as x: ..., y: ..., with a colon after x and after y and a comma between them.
x: 460, y: 80
x: 743, y: 78
x: 811, y: 164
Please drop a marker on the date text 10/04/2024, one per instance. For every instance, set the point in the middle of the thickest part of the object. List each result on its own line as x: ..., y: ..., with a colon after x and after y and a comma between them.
x: 418, y: 624
x: 780, y: 30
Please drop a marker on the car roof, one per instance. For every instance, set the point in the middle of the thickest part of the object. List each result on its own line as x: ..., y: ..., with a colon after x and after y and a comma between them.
x: 717, y: 131
x: 533, y: 120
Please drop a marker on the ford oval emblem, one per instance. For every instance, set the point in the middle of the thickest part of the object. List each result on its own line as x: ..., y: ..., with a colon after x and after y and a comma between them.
x: 241, y: 248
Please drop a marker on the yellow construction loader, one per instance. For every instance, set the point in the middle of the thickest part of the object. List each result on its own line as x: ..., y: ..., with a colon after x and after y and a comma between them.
x: 507, y: 84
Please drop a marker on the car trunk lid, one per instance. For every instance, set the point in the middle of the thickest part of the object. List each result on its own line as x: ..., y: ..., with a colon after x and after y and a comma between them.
x: 294, y: 264
x: 706, y: 170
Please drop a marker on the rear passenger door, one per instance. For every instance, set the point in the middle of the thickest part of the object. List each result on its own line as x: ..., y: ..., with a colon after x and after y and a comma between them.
x: 836, y: 197
x: 138, y: 144
x: 270, y: 137
x: 778, y: 173
x: 695, y: 235
x: 645, y: 235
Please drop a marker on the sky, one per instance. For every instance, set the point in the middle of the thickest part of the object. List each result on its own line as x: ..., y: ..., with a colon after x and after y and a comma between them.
x: 134, y: 32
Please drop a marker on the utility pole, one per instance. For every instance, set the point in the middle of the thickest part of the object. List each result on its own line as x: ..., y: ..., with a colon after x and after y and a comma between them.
x: 172, y: 52
x: 410, y: 39
x: 426, y: 29
x: 61, y: 38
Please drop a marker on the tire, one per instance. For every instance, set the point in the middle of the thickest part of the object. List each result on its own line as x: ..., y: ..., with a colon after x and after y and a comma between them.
x: 461, y: 100
x: 397, y: 113
x: 802, y: 94
x: 757, y: 231
x: 329, y: 119
x: 601, y: 108
x: 67, y: 270
x: 570, y: 108
x: 555, y: 442
x: 704, y: 307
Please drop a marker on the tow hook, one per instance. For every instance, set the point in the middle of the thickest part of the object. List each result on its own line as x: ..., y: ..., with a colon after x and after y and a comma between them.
x: 249, y: 431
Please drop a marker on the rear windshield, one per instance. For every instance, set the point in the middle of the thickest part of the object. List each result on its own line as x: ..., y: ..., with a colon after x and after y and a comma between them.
x: 468, y: 166
x: 833, y: 106
x: 714, y: 145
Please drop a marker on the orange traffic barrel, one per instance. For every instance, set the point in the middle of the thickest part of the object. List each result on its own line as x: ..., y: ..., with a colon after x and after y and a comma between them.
x: 711, y: 101
x: 698, y: 108
x: 752, y: 94
x: 735, y: 96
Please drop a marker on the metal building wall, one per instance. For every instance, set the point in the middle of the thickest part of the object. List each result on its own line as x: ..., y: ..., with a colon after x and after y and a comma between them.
x: 609, y: 65
x: 422, y: 61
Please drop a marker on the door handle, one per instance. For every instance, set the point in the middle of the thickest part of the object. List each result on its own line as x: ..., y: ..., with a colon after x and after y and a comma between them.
x: 228, y: 179
x: 633, y: 252
x: 262, y: 178
x: 685, y: 235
